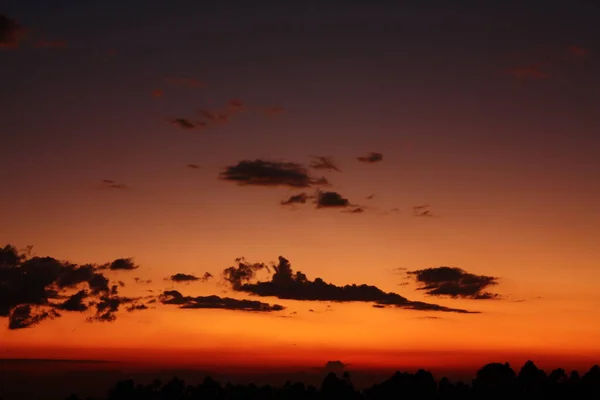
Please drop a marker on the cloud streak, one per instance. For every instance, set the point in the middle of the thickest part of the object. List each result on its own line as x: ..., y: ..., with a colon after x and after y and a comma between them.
x: 173, y: 297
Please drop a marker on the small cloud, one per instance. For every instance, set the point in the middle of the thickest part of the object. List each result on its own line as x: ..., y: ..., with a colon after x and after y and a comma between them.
x: 331, y: 200
x: 158, y: 93
x: 324, y: 163
x: 371, y: 158
x: 120, y: 264
x: 422, y: 211
x: 454, y: 282
x: 300, y: 198
x: 578, y: 51
x: 114, y: 185
x: 142, y: 281
x: 236, y: 105
x: 357, y: 210
x: 370, y: 197
x: 193, y: 166
x: 51, y: 44
x: 179, y: 277
x: 528, y: 72
x: 270, y: 173
x: 186, y: 124
x: 11, y: 33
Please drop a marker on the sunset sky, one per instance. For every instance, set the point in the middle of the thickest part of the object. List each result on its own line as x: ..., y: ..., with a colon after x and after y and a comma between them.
x: 187, y: 134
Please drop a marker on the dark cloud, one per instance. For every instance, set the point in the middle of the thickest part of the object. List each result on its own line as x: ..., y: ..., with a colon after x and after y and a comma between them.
x: 528, y: 72
x: 120, y: 264
x: 290, y: 285
x: 33, y: 289
x: 184, y: 123
x: 300, y: 198
x: 331, y: 200
x: 179, y: 277
x: 11, y: 33
x: 142, y: 281
x: 326, y: 163
x: 244, y: 272
x: 136, y: 307
x: 75, y: 302
x: 454, y: 282
x: 270, y: 173
x: 357, y: 210
x: 370, y: 197
x: 24, y: 316
x: 158, y: 93
x: 175, y: 298
x: 371, y: 158
x: 193, y: 166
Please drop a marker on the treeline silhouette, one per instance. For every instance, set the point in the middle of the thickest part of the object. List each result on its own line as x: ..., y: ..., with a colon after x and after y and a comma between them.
x: 494, y: 380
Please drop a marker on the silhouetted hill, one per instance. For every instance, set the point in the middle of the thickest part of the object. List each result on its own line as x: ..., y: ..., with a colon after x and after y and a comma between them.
x: 494, y: 380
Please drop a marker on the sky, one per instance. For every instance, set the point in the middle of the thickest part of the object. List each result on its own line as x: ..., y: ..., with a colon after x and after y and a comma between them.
x: 442, y: 158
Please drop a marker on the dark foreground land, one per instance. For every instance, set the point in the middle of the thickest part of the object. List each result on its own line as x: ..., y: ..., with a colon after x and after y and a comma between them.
x: 495, y: 380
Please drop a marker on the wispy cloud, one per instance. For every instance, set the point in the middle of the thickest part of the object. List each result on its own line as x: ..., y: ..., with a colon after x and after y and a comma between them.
x: 371, y: 158
x: 324, y: 163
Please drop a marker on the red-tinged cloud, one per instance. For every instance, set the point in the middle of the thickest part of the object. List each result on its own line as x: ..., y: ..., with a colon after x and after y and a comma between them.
x: 158, y: 93
x: 11, y: 33
x: 528, y: 72
x: 51, y: 44
x: 185, y: 82
x: 371, y: 158
x: 578, y: 51
x: 186, y: 124
x: 273, y: 110
x: 235, y: 106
